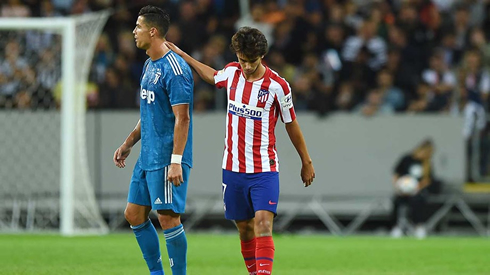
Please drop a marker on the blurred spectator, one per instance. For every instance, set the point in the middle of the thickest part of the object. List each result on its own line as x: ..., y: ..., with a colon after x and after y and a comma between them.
x: 49, y: 73
x: 474, y: 81
x: 277, y: 62
x: 346, y: 97
x: 367, y: 39
x: 318, y: 97
x: 47, y: 9
x: 195, y: 33
x: 374, y: 105
x: 479, y: 41
x: 256, y: 19
x: 113, y: 94
x: 359, y: 73
x: 14, y: 8
x: 352, y: 41
x: 417, y: 165
x: 461, y: 26
x: 441, y: 83
x: 273, y: 13
x: 103, y: 57
x: 63, y: 6
x: 392, y: 95
x: 331, y: 53
x: 203, y: 100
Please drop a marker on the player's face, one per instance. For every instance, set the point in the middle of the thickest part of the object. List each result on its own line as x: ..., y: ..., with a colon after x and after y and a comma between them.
x: 142, y: 34
x: 249, y: 65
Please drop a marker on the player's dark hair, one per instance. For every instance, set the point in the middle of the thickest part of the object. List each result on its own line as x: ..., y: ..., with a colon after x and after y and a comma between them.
x: 250, y: 42
x: 426, y: 143
x: 156, y: 17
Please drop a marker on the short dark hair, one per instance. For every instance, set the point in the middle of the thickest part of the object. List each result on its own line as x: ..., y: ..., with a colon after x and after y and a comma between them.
x: 156, y: 17
x: 426, y: 143
x: 250, y: 42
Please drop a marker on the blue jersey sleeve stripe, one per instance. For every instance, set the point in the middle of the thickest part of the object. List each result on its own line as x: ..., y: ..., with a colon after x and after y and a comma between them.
x: 179, y: 69
x: 171, y: 65
x: 176, y: 63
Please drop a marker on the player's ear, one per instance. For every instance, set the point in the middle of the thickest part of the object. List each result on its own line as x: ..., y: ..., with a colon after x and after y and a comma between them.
x: 153, y: 31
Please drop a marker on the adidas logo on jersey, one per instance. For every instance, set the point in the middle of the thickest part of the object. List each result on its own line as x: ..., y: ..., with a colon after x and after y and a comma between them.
x: 147, y: 95
x: 158, y: 201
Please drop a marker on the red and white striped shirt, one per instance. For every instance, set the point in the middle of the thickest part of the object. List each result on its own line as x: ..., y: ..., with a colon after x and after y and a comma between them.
x: 253, y: 109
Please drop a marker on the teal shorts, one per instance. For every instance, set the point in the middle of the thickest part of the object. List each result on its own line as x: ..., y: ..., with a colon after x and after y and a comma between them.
x: 151, y: 188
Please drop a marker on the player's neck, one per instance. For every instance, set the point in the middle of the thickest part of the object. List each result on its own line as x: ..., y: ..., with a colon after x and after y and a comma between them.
x: 258, y: 74
x: 157, y: 50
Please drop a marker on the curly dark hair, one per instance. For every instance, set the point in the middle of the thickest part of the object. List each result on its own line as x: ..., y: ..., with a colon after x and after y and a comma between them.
x: 250, y: 42
x: 156, y: 17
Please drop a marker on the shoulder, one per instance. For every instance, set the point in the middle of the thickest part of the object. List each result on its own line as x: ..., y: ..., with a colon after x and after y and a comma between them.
x: 232, y: 66
x: 278, y: 83
x: 175, y: 63
x: 228, y: 69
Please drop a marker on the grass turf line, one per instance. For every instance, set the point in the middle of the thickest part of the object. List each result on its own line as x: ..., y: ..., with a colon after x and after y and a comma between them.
x: 220, y: 254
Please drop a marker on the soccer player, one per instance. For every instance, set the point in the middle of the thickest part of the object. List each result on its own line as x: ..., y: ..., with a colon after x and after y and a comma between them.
x: 257, y: 96
x: 160, y: 176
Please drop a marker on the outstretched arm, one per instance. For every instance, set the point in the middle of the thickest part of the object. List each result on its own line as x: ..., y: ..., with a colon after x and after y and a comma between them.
x: 296, y: 137
x: 123, y: 151
x: 204, y: 71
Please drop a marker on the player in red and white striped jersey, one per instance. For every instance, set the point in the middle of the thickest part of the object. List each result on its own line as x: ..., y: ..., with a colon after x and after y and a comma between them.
x: 257, y: 96
x: 253, y: 110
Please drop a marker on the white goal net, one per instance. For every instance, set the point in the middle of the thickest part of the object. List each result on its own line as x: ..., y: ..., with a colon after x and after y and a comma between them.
x: 45, y: 183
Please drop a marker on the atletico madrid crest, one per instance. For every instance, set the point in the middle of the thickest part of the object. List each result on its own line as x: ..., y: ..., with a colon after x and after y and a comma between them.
x: 263, y: 95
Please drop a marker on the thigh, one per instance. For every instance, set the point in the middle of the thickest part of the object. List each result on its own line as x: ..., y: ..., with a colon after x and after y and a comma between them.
x: 264, y: 191
x: 163, y: 194
x: 138, y: 188
x: 236, y: 197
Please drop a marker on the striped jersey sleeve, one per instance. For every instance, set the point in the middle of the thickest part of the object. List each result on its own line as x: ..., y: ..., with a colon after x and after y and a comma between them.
x: 284, y: 98
x: 179, y: 82
x: 221, y: 77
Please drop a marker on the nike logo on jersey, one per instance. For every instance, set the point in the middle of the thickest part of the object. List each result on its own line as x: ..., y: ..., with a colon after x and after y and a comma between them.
x: 249, y: 266
x: 272, y: 203
x: 264, y: 264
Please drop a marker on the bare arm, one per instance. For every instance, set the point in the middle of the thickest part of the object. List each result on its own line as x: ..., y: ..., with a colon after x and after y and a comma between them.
x: 425, y: 181
x: 296, y: 137
x: 181, y: 130
x: 123, y: 151
x: 204, y: 71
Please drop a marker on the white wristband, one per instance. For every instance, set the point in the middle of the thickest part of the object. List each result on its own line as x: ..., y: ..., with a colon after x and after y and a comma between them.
x: 176, y: 159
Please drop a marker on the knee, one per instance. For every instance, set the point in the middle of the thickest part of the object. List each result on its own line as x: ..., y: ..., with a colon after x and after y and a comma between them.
x: 245, y: 229
x: 168, y: 220
x: 263, y: 227
x: 134, y: 217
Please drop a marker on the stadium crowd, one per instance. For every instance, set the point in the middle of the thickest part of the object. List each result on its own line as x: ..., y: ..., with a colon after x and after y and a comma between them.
x: 364, y: 56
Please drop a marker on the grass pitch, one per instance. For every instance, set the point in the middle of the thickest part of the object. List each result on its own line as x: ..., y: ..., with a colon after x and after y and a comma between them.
x: 220, y: 254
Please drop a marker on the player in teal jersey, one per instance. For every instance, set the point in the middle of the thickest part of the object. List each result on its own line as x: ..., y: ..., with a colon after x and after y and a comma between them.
x: 160, y: 176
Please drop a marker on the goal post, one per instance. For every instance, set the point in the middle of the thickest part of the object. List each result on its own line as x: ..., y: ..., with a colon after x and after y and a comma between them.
x: 78, y: 211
